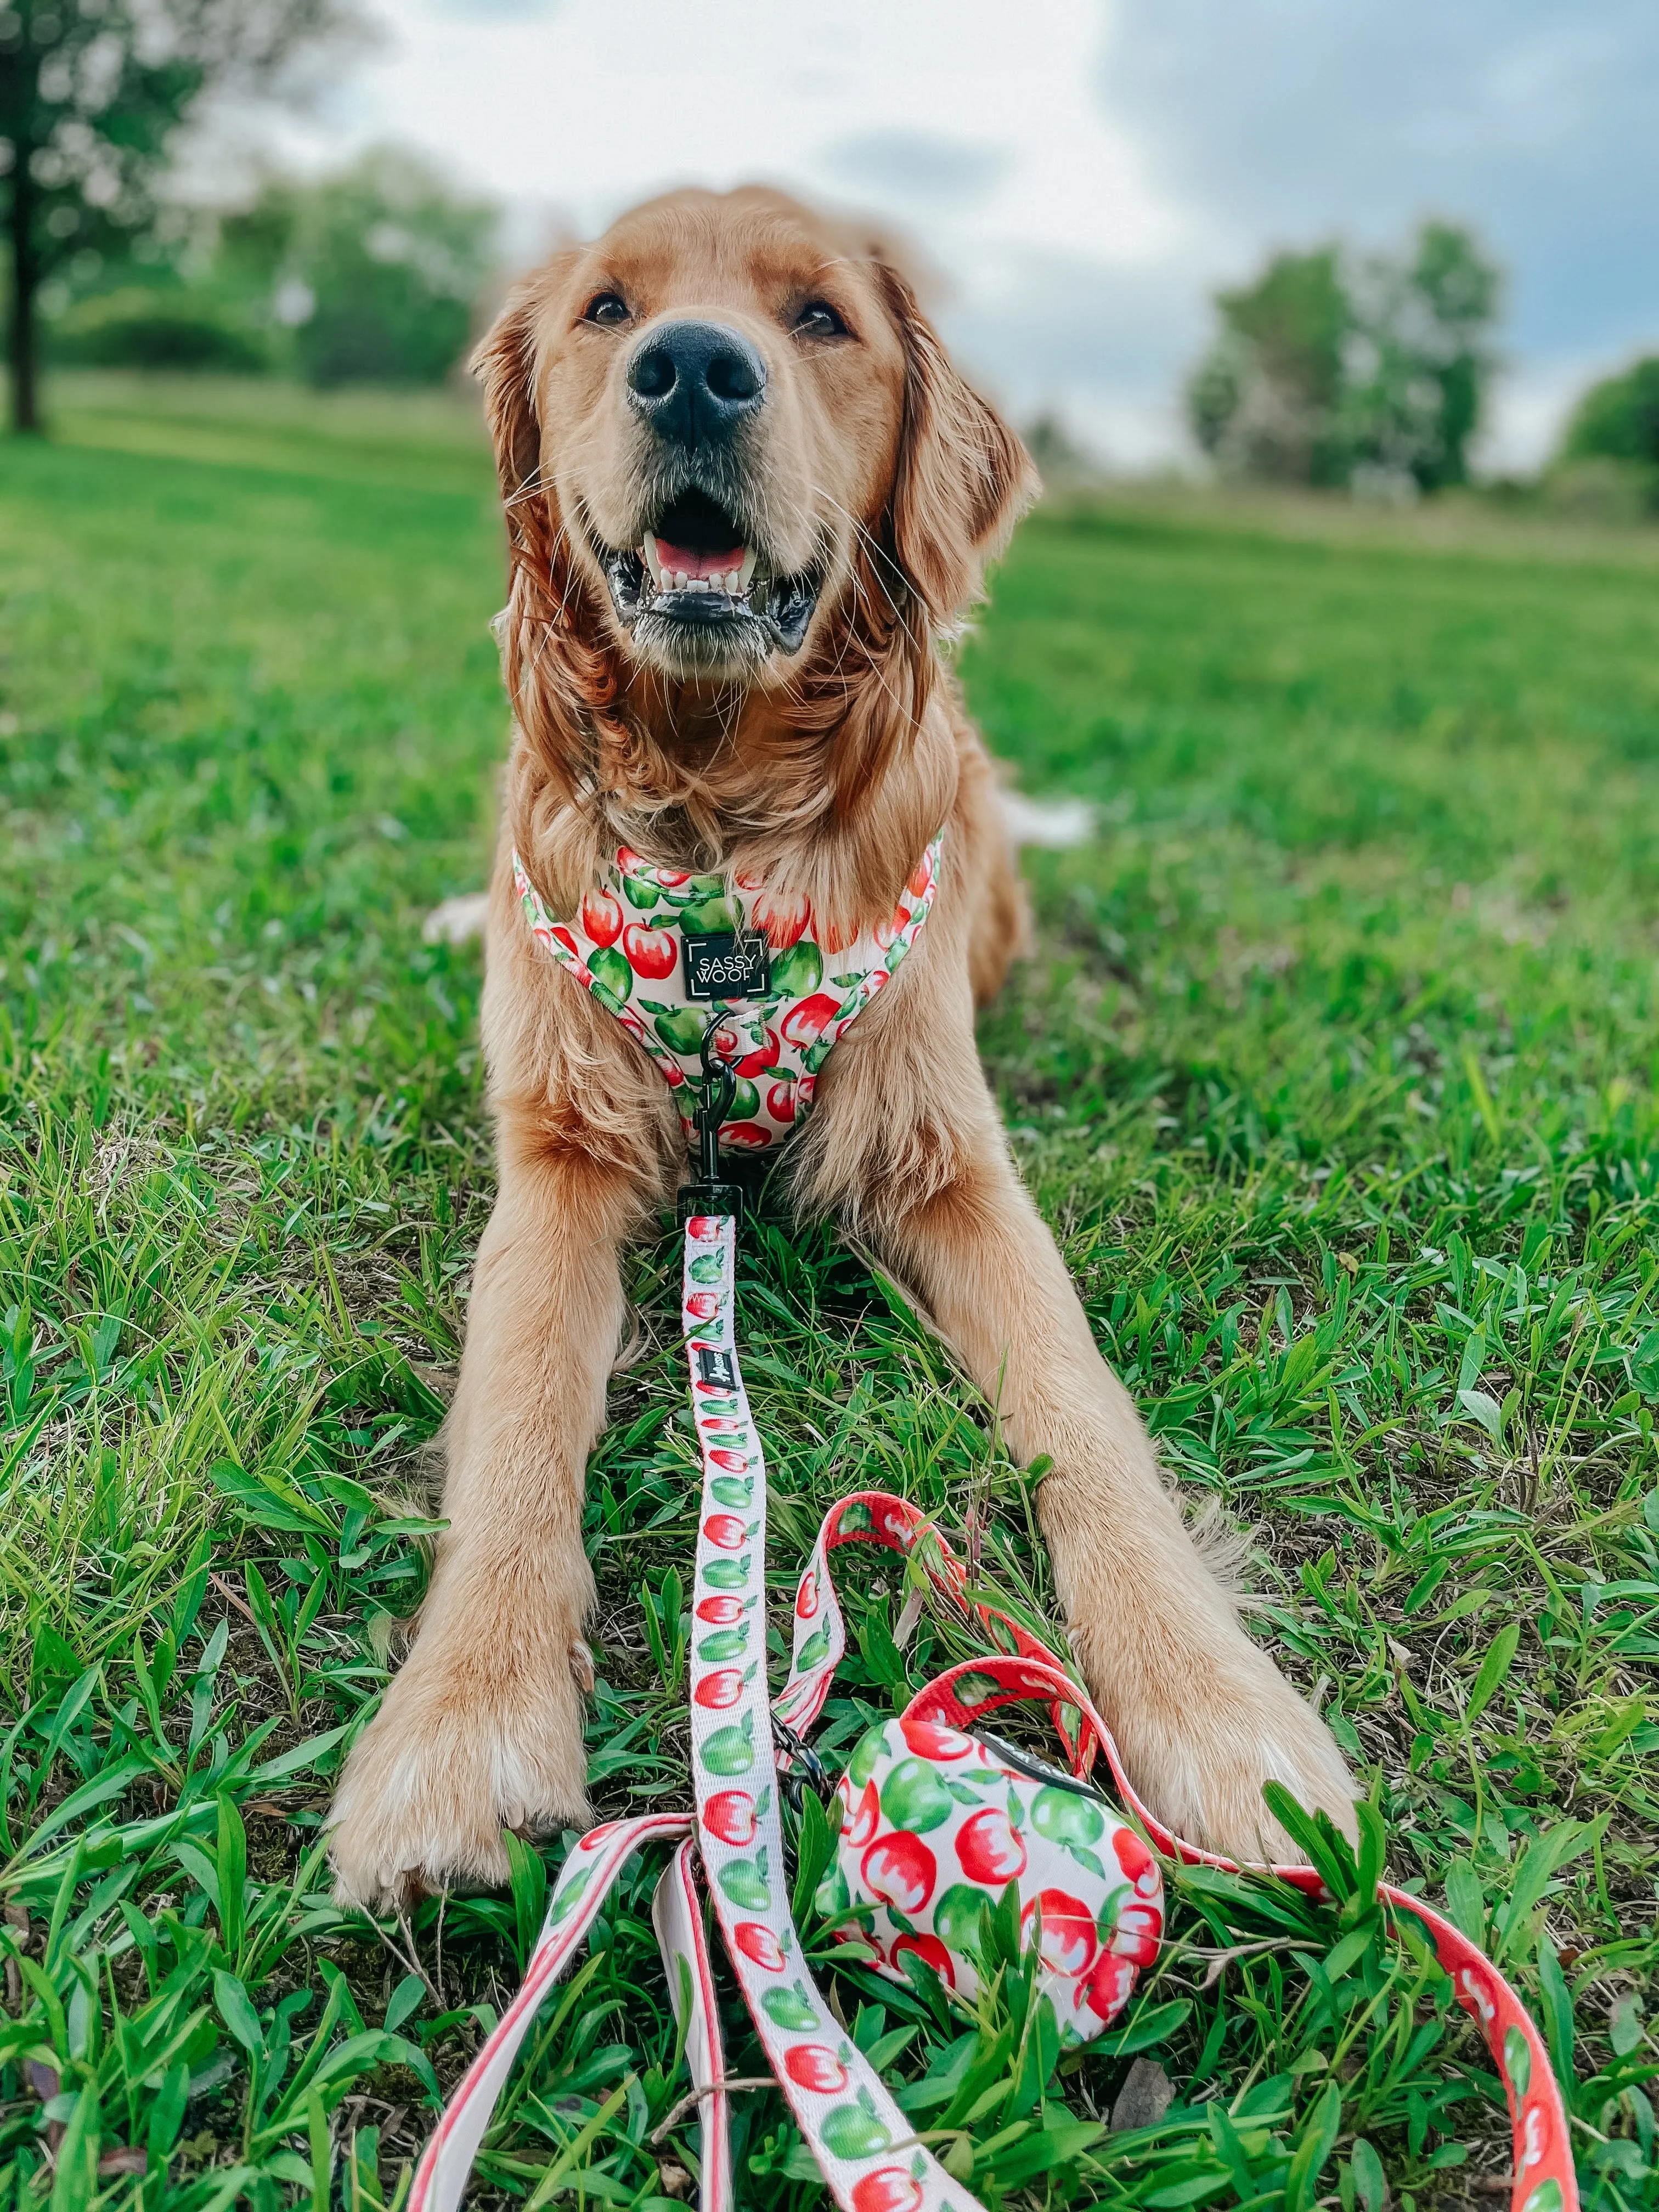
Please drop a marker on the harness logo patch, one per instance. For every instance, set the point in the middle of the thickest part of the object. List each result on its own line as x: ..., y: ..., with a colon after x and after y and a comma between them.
x: 716, y: 1367
x: 724, y: 964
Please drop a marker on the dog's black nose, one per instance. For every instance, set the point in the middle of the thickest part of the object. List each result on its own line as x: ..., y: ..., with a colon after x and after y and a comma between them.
x: 696, y: 382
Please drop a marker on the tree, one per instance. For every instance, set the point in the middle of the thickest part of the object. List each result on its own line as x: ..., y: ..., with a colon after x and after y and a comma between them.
x: 1327, y: 367
x: 1418, y: 365
x: 1265, y: 400
x: 375, y: 272
x: 1618, y: 419
x: 92, y: 94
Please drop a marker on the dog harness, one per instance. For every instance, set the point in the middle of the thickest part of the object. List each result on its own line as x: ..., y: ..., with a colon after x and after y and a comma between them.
x: 661, y: 949
x: 956, y: 1853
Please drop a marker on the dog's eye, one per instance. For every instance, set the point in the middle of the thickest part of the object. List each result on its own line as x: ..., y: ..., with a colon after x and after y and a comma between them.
x: 818, y: 319
x: 606, y: 307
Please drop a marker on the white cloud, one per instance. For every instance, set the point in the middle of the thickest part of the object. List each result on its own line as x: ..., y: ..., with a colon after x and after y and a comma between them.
x: 984, y: 140
x: 1085, y: 172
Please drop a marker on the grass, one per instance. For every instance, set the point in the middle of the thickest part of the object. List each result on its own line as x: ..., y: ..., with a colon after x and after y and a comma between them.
x: 1334, y: 1072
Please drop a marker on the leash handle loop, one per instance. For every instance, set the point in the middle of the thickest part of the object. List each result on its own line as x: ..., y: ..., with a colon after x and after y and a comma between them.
x: 585, y: 1880
x: 1543, y: 2177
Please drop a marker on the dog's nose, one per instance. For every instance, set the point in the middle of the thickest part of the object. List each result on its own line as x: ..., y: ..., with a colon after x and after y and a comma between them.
x: 696, y: 382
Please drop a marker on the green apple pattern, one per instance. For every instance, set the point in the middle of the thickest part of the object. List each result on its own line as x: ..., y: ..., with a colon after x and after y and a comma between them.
x: 935, y: 1826
x: 939, y: 1828
x: 624, y: 945
x: 844, y: 2111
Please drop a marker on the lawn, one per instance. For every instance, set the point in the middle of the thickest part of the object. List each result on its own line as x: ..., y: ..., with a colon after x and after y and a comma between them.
x: 1334, y: 1072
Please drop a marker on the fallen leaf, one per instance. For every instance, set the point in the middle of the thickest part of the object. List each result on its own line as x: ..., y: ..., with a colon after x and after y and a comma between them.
x: 1147, y: 2094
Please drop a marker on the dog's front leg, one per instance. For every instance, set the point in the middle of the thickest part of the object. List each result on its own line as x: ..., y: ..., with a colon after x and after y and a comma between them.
x: 1200, y: 1714
x: 914, y: 1151
x: 482, y: 1728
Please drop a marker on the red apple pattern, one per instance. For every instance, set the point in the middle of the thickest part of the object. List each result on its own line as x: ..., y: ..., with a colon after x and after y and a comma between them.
x: 830, y: 2084
x: 624, y: 942
x: 940, y: 1822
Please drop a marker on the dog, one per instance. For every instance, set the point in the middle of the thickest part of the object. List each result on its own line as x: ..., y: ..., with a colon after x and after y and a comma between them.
x: 735, y: 383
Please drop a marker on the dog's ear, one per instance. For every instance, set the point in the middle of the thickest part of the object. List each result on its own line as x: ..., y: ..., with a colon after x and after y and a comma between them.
x: 554, y: 669
x: 961, y: 480
x: 505, y: 365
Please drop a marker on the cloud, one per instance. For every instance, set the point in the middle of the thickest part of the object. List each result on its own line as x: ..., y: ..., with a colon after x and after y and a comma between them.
x: 916, y: 167
x: 494, y: 11
x: 1085, y: 172
x: 1534, y: 119
x: 1104, y: 347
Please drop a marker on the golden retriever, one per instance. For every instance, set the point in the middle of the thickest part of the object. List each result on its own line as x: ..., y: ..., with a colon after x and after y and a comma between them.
x: 747, y: 498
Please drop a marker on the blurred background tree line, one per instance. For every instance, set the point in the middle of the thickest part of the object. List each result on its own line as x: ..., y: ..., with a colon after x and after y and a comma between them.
x: 1335, y: 369
x: 1372, y: 373
x: 371, y: 276
x: 1332, y: 368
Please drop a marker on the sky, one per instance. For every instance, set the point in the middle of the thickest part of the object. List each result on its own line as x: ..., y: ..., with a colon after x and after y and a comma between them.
x: 1081, y: 173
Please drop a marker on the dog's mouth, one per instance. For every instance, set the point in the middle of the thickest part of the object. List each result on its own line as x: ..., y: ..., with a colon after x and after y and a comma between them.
x: 695, y: 573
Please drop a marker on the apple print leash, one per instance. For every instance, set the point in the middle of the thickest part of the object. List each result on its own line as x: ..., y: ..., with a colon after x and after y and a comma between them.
x: 866, y: 2147
x: 843, y: 2109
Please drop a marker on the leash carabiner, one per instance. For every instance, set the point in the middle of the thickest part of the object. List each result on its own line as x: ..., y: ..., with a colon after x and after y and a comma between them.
x: 710, y: 1192
x: 798, y: 1763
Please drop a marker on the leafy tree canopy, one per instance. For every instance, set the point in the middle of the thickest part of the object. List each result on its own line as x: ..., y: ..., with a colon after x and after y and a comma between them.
x: 1618, y: 419
x: 92, y: 93
x: 1332, y: 367
x: 373, y: 274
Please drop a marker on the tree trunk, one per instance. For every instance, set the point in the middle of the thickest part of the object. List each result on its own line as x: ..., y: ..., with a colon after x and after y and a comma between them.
x: 25, y: 280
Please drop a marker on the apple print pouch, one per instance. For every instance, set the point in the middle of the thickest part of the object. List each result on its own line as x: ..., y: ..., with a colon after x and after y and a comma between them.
x: 936, y: 1821
x: 940, y: 1817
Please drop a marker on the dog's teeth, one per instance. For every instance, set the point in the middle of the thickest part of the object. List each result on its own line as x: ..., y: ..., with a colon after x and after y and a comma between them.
x: 659, y: 579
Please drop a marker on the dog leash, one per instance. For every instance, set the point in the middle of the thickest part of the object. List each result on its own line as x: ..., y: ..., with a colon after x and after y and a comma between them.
x: 732, y: 1847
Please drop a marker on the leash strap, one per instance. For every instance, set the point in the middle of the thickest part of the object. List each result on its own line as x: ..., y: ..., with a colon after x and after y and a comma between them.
x: 1544, y: 2179
x: 677, y: 1915
x: 865, y: 2146
x: 585, y: 1880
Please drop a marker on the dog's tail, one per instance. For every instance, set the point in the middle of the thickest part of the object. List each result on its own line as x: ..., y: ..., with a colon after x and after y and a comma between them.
x: 458, y: 920
x: 1054, y: 824
x: 1058, y: 824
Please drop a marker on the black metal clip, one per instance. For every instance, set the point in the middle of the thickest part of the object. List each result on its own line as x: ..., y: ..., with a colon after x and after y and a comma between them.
x: 711, y: 1193
x: 800, y: 1762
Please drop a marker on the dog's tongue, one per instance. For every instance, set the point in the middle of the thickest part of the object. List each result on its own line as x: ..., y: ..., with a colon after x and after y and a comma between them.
x: 676, y: 557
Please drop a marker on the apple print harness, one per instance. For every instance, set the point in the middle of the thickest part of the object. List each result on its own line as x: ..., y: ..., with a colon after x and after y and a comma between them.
x: 660, y: 948
x: 955, y: 1851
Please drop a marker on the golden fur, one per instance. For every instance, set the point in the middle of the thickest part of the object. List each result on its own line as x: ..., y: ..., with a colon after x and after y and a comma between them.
x: 826, y: 775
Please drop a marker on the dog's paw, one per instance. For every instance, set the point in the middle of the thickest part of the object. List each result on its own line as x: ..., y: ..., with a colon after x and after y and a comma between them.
x: 456, y: 1754
x: 1200, y: 1740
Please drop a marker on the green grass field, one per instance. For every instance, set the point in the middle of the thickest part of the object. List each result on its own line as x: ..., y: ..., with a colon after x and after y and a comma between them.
x: 1335, y: 1073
